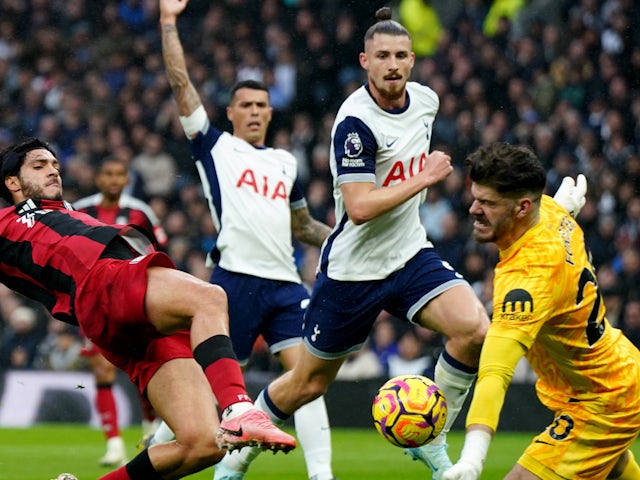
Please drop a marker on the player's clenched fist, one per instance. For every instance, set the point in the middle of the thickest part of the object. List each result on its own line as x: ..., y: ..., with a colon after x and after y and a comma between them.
x: 172, y: 7
x: 437, y: 167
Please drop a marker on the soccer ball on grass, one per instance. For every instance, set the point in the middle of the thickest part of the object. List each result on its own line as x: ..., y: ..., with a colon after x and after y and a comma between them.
x: 409, y: 411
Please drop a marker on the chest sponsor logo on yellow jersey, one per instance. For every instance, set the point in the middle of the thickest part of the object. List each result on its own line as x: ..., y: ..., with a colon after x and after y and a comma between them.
x: 517, y: 305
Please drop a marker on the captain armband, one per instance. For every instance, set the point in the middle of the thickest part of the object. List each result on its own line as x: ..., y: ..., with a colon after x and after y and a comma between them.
x: 198, y: 121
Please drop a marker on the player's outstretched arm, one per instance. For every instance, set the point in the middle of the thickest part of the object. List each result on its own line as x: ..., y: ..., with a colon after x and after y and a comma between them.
x: 184, y: 92
x: 571, y: 195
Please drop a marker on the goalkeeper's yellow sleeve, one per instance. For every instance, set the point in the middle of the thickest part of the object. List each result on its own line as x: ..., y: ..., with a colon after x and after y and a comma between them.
x: 498, y: 360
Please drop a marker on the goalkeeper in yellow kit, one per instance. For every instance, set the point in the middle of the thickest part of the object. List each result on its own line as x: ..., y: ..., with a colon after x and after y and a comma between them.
x: 547, y: 307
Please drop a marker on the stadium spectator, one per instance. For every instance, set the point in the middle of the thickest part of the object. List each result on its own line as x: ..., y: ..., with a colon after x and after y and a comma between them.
x: 501, y: 12
x: 628, y: 266
x: 631, y: 321
x: 384, y: 339
x: 477, y: 261
x: 602, y: 240
x: 257, y: 206
x: 111, y: 206
x: 422, y: 21
x: 21, y: 339
x: 411, y: 357
x: 613, y: 294
x: 346, y: 49
x: 581, y: 373
x: 451, y: 245
x: 433, y: 211
x: 361, y: 365
x: 156, y: 167
x: 60, y: 351
x: 166, y: 329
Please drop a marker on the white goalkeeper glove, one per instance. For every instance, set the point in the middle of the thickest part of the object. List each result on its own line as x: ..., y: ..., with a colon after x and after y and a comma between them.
x: 474, y: 452
x: 571, y: 196
x: 463, y: 471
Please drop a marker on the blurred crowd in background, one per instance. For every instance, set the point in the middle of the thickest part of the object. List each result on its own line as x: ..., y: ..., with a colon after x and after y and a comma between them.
x: 562, y: 76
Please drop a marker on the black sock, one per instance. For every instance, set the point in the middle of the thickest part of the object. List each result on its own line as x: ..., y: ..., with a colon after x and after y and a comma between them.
x: 141, y: 468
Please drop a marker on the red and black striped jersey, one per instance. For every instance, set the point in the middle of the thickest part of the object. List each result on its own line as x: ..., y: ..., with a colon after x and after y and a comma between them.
x: 47, y: 249
x: 129, y: 211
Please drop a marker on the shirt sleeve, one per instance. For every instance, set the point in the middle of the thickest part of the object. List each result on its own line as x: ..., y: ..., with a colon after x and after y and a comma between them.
x: 355, y: 148
x: 498, y: 361
x: 297, y: 197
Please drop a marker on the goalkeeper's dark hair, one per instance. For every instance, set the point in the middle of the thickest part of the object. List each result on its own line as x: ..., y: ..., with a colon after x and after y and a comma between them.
x: 12, y: 158
x: 511, y: 170
x: 385, y: 25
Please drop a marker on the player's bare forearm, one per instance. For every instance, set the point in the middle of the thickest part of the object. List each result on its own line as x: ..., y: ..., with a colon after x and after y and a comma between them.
x: 184, y: 92
x: 308, y: 230
x: 363, y: 201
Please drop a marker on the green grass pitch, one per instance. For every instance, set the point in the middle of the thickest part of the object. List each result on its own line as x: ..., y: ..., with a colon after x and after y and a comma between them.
x: 44, y: 451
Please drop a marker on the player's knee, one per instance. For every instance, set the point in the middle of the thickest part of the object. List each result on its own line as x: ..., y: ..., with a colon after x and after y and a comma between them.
x: 473, y: 340
x: 477, y: 335
x: 465, y: 342
x: 208, y: 295
x: 476, y: 328
x: 218, y: 295
x: 199, y: 448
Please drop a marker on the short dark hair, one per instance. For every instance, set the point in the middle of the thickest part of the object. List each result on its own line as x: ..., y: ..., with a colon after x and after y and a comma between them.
x: 251, y: 84
x: 385, y: 25
x: 12, y: 158
x: 109, y: 160
x: 510, y: 170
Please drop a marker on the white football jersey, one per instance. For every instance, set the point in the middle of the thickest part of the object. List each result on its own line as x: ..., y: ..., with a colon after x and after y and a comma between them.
x: 251, y: 192
x: 370, y: 144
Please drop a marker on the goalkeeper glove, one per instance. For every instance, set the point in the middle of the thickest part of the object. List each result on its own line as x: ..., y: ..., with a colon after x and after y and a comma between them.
x: 571, y: 196
x: 463, y: 471
x: 474, y: 452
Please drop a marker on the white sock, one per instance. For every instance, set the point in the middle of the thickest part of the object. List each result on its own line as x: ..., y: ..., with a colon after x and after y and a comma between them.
x: 149, y: 426
x: 312, y: 429
x: 239, y: 460
x: 455, y: 385
x: 162, y: 434
x: 236, y: 409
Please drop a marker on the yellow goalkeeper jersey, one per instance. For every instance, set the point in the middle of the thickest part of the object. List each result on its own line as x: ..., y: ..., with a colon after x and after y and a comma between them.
x: 546, y: 305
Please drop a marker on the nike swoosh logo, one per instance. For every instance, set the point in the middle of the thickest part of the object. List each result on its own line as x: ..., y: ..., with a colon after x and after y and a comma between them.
x: 542, y: 441
x: 390, y: 144
x: 235, y: 433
